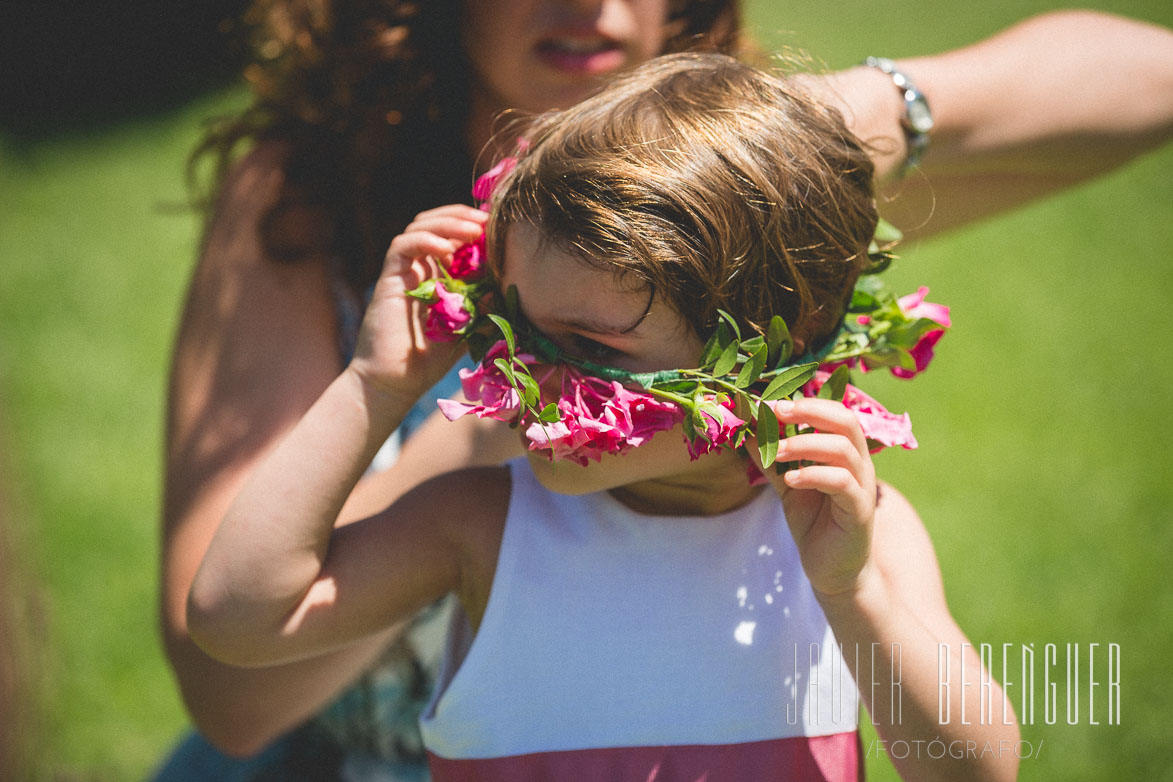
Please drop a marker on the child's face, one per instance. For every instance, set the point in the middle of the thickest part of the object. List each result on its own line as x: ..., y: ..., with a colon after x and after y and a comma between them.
x: 595, y: 315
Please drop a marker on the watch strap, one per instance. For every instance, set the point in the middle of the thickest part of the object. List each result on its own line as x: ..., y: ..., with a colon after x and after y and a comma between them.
x: 917, y: 119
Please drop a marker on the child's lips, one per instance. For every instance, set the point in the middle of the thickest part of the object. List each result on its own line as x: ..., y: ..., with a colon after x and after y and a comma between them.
x: 583, y: 54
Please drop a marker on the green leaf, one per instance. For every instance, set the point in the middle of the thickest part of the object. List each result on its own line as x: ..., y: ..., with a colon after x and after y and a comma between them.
x: 891, y: 357
x: 862, y: 301
x: 426, y: 291
x: 724, y: 334
x: 886, y: 233
x: 752, y: 369
x: 783, y: 467
x: 880, y: 259
x: 767, y: 433
x: 529, y: 389
x: 751, y: 345
x: 698, y: 395
x: 550, y: 414
x: 506, y: 330
x: 721, y: 337
x: 725, y: 316
x: 698, y: 419
x: 876, y: 288
x: 906, y: 359
x: 679, y: 387
x: 789, y: 380
x: 711, y: 351
x: 907, y: 334
x: 836, y: 385
x: 727, y: 360
x: 779, y: 342
x: 506, y: 369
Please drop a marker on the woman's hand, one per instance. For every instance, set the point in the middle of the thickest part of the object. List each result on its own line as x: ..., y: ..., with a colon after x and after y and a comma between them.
x: 392, y: 353
x: 830, y: 504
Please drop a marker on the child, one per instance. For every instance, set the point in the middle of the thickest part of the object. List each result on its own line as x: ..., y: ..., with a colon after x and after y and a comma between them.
x: 650, y: 614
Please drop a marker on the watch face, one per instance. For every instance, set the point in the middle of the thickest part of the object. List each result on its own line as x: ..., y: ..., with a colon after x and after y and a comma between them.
x: 919, y: 118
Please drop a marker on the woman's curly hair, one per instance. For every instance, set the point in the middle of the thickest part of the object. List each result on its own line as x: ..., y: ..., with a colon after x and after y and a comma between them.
x: 369, y: 99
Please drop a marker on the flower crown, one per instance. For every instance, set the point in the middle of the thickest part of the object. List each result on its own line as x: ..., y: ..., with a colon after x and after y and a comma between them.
x: 603, y: 409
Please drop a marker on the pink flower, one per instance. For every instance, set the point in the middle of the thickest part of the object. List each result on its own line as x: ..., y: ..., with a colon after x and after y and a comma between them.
x: 572, y: 439
x: 557, y: 438
x: 880, y: 426
x: 469, y: 260
x: 914, y: 306
x: 851, y: 363
x: 446, y: 317
x: 487, y: 385
x: 648, y: 414
x: 922, y: 354
x: 482, y: 189
x: 599, y: 416
x: 720, y: 427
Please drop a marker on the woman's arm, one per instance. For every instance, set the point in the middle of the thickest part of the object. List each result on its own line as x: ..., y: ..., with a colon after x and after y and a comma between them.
x: 256, y: 346
x: 1043, y: 105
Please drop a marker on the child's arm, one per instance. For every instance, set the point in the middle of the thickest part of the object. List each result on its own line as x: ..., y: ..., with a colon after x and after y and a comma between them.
x: 277, y: 583
x: 876, y: 577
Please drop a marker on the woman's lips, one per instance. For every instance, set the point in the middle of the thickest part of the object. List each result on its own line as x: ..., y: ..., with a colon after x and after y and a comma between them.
x: 585, y: 55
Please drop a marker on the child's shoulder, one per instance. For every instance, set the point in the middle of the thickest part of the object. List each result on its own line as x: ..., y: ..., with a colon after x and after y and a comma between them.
x: 469, y: 488
x: 469, y: 508
x: 471, y: 502
x: 482, y: 485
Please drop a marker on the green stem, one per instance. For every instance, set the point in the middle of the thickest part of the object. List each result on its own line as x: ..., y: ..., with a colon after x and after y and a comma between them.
x: 671, y: 397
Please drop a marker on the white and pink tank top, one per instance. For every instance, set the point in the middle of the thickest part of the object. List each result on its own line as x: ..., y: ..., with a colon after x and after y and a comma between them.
x: 618, y: 646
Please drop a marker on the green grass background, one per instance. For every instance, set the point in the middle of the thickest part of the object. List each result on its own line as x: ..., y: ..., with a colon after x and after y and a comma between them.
x: 1043, y: 473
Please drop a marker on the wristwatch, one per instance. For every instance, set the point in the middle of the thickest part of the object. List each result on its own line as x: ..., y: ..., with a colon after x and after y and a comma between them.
x: 917, y: 120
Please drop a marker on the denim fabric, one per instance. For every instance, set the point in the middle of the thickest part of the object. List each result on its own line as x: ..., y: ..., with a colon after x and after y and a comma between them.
x: 426, y: 405
x: 303, y: 755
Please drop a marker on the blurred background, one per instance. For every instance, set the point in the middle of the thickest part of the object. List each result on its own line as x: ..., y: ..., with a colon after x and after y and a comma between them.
x: 1043, y: 473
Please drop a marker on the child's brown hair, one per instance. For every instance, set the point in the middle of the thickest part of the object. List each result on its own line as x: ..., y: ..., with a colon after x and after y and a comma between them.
x: 717, y: 184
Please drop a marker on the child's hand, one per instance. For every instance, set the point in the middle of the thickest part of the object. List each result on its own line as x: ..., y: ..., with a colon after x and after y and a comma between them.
x: 392, y: 353
x: 831, y: 504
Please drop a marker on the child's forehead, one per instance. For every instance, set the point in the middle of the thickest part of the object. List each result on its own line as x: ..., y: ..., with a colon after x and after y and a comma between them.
x: 557, y: 284
x: 528, y: 248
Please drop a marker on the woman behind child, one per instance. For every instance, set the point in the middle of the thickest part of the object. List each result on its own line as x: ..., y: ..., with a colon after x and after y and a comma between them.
x: 361, y: 118
x: 608, y: 626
